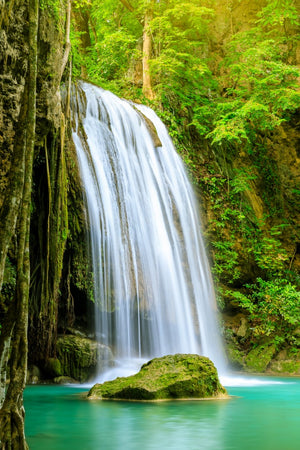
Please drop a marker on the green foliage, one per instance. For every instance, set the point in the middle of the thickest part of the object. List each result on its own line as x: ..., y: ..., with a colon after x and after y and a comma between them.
x: 53, y: 6
x: 262, y: 89
x: 242, y: 179
x: 274, y: 308
x: 269, y: 253
x: 114, y: 51
x: 278, y: 12
x: 226, y: 260
x: 261, y: 83
x: 182, y: 79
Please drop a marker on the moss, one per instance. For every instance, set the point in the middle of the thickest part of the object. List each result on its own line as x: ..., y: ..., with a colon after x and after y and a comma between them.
x: 291, y: 367
x: 169, y: 377
x: 53, y: 368
x: 77, y: 355
x: 287, y: 361
x: 235, y: 356
x: 64, y: 380
x: 259, y: 358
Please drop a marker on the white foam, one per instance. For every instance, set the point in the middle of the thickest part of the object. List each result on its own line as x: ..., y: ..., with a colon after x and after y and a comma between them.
x: 231, y: 381
x: 122, y: 368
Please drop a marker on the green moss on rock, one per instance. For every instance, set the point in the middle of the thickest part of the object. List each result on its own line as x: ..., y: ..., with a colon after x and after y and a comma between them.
x: 169, y: 377
x: 79, y: 356
x: 260, y: 357
x: 287, y: 362
x: 235, y: 356
x: 290, y: 367
x: 53, y: 368
x: 64, y: 380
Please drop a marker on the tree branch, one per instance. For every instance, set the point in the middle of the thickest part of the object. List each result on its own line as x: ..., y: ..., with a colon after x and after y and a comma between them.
x: 127, y: 5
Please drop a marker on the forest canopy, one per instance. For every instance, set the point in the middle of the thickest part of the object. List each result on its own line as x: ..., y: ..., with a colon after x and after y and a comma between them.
x: 229, y: 91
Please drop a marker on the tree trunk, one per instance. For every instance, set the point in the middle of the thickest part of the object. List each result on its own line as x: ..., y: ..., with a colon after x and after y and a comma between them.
x: 81, y: 17
x: 147, y: 46
x: 12, y: 435
x: 147, y: 53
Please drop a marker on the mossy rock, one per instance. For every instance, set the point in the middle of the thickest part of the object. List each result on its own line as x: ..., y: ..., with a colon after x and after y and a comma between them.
x: 180, y: 376
x: 287, y: 362
x: 260, y: 357
x: 289, y: 366
x: 64, y: 380
x: 235, y: 356
x: 80, y: 356
x: 53, y: 368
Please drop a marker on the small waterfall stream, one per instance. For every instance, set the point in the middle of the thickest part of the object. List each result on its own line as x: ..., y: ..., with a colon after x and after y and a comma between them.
x: 152, y: 284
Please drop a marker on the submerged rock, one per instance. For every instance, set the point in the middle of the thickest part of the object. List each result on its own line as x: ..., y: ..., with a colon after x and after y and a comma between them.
x: 180, y: 376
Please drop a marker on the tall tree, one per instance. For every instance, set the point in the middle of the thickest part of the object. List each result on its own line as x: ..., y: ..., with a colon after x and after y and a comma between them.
x: 23, y: 86
x: 82, y: 22
x: 12, y: 433
x: 147, y: 50
x: 145, y: 19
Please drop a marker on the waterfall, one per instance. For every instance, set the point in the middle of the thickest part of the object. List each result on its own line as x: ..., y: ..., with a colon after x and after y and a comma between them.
x: 152, y: 283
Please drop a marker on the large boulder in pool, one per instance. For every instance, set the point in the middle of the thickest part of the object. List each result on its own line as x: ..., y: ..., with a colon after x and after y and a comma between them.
x: 180, y: 376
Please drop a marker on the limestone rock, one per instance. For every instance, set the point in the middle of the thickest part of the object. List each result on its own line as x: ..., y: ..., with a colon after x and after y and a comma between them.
x: 180, y: 376
x: 80, y: 356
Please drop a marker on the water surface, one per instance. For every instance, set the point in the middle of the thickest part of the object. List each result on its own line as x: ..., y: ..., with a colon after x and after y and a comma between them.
x: 264, y: 414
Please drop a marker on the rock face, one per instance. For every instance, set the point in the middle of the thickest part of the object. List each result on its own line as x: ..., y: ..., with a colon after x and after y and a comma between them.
x: 180, y: 376
x: 79, y: 356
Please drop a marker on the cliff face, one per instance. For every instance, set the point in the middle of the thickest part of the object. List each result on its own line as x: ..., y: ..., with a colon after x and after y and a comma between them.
x: 56, y: 184
x: 13, y: 70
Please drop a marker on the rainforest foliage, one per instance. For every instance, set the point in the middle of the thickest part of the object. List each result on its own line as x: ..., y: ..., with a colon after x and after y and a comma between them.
x: 227, y: 89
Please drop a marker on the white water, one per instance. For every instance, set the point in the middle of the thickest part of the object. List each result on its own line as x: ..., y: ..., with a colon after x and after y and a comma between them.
x: 152, y: 281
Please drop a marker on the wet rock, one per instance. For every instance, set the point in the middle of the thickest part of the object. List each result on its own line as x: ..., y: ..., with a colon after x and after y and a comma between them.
x: 180, y: 376
x: 79, y: 356
x: 152, y: 130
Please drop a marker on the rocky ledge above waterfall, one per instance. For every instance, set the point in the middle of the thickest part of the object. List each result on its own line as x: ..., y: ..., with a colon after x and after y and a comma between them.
x: 171, y: 377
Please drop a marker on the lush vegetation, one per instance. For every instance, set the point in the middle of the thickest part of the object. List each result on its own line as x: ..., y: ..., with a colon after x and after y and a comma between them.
x: 224, y: 77
x: 223, y: 98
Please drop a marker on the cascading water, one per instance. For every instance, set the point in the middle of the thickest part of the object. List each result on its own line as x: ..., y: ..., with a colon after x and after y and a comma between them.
x: 152, y: 283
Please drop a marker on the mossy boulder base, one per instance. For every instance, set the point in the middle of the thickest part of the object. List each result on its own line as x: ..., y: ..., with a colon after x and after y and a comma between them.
x: 169, y: 377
